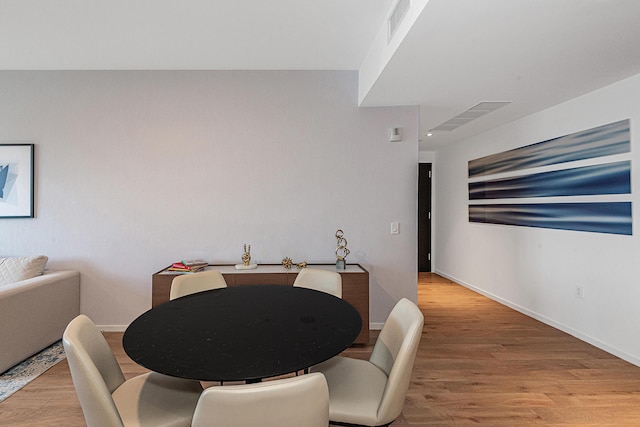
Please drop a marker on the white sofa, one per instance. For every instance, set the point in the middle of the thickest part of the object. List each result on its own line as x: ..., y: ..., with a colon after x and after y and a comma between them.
x: 34, y: 311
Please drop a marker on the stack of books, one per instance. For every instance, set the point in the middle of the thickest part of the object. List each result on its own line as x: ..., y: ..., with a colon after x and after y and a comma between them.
x: 190, y: 266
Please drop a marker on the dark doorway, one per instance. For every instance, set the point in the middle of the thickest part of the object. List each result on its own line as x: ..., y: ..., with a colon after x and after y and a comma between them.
x: 424, y: 217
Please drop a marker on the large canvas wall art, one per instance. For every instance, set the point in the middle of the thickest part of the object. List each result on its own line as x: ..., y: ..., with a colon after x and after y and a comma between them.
x: 606, y: 140
x: 604, y: 217
x: 610, y: 178
x: 515, y: 187
x: 16, y: 181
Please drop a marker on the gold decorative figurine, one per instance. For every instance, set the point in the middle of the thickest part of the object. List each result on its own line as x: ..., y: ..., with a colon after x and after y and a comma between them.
x: 246, y: 256
x: 287, y: 262
x: 246, y: 260
x: 341, y: 250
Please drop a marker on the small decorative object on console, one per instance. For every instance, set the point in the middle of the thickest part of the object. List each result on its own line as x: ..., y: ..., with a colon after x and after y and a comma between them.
x: 246, y: 260
x: 287, y: 262
x: 188, y: 266
x: 341, y: 250
x: 246, y: 256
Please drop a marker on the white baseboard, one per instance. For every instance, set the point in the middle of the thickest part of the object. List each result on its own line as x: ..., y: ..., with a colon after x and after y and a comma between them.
x: 564, y: 328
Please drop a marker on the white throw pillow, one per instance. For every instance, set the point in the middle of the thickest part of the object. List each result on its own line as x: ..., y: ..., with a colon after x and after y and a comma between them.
x: 15, y: 269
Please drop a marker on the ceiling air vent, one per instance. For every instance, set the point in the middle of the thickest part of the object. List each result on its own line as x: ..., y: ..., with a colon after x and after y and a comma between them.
x: 398, y: 14
x: 472, y: 113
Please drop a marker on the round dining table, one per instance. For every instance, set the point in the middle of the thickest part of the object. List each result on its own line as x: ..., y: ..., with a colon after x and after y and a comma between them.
x: 242, y: 333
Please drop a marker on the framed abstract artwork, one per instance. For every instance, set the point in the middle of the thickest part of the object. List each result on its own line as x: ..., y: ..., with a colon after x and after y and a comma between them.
x: 580, y: 182
x: 16, y: 181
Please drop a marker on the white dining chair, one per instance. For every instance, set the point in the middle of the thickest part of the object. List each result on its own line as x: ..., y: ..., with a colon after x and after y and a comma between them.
x: 372, y: 392
x: 321, y: 280
x: 301, y: 401
x: 108, y: 400
x: 190, y: 283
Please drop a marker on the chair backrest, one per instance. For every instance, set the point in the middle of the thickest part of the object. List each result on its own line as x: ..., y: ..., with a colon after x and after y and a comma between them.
x: 94, y: 370
x: 321, y: 280
x: 186, y: 284
x: 301, y: 401
x: 395, y: 353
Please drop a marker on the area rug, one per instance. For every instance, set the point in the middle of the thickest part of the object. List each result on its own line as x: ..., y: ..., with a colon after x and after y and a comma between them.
x: 22, y: 374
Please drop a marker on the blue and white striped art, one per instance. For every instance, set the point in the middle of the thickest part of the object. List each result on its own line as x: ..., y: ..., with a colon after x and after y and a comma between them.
x: 608, y: 178
x: 605, y: 140
x: 602, y: 217
x: 556, y: 168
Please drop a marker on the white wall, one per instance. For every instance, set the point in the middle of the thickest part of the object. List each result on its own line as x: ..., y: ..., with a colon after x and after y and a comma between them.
x: 135, y: 170
x: 537, y: 270
x: 426, y: 156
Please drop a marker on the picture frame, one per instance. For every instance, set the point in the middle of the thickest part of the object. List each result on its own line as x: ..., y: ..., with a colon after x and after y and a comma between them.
x: 17, y: 180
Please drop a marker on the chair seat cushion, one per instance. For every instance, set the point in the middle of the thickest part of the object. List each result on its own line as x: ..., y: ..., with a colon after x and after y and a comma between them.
x: 355, y: 389
x: 157, y: 400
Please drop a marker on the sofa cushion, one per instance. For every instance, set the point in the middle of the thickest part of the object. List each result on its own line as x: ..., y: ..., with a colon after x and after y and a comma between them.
x: 15, y: 269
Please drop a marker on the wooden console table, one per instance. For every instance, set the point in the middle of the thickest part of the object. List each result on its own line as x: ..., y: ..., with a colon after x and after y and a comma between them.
x: 355, y: 284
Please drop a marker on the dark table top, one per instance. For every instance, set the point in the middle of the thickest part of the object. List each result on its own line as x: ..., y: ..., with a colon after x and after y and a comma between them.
x: 242, y: 333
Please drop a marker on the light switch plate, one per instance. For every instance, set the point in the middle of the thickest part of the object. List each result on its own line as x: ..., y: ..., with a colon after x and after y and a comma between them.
x: 395, y: 228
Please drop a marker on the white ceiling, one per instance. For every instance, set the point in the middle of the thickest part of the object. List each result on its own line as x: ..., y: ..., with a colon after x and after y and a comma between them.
x: 188, y: 34
x: 534, y: 53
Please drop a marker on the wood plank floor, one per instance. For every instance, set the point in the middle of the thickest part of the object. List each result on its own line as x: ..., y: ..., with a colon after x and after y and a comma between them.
x: 479, y: 363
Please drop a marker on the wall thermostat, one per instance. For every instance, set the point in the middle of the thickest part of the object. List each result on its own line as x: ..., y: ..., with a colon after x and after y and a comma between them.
x: 395, y: 134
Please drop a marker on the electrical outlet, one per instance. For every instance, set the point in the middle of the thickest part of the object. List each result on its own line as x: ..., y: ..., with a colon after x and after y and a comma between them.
x: 579, y: 292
